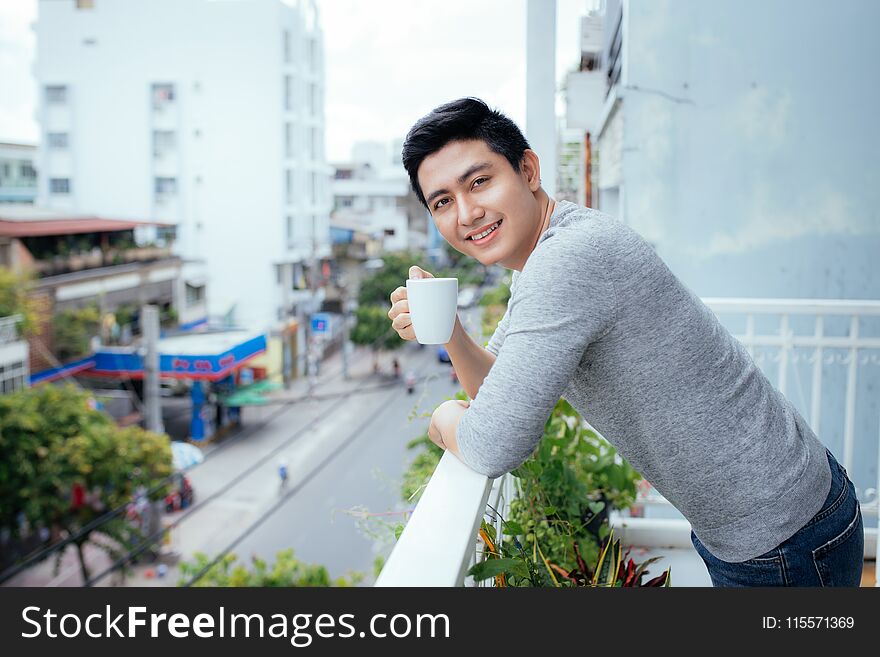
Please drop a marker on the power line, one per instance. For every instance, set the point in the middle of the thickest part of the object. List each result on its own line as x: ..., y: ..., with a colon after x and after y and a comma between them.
x: 113, y: 513
x: 271, y: 510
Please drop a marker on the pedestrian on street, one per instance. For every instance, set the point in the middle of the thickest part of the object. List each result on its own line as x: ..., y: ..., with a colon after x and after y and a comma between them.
x: 282, y: 471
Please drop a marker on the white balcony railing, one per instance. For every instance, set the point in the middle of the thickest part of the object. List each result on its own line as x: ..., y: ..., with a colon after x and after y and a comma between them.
x: 440, y: 541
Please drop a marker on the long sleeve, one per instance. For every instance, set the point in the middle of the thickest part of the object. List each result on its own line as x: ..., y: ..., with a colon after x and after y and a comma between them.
x: 563, y: 301
x: 497, y: 338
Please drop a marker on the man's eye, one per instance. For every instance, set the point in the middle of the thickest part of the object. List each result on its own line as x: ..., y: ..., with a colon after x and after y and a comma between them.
x: 480, y: 180
x: 440, y: 203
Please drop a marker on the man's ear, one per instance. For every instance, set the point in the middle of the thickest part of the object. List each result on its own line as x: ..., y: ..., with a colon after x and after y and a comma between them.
x: 531, y: 169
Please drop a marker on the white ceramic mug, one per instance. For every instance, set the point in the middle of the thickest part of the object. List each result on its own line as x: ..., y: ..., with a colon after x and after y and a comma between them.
x: 433, y: 303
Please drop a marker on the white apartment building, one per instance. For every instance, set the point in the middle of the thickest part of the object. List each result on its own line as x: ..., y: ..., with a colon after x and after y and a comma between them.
x: 372, y: 194
x: 200, y: 113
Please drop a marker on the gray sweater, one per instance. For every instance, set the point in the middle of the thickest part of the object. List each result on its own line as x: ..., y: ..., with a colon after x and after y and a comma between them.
x: 596, y: 317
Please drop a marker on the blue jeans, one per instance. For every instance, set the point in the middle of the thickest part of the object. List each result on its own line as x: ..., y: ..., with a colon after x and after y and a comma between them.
x: 827, y: 551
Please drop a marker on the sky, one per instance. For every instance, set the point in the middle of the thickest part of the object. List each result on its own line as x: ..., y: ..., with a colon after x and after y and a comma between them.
x: 387, y: 62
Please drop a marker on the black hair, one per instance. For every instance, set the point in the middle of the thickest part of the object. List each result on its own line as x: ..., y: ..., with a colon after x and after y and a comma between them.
x: 461, y: 120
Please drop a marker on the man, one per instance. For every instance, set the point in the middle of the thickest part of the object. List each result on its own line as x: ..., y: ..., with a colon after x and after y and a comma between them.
x: 597, y: 317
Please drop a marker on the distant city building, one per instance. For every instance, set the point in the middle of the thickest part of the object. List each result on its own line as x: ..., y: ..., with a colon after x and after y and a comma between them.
x: 79, y: 261
x: 18, y: 176
x: 584, y: 96
x: 372, y: 192
x: 207, y: 116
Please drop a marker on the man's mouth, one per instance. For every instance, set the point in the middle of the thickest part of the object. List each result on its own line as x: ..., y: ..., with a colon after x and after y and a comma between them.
x: 481, y: 236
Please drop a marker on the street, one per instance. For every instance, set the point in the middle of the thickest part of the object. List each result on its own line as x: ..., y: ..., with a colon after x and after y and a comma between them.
x: 345, y: 450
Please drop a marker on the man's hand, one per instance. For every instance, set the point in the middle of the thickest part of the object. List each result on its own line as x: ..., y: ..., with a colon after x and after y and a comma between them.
x: 444, y: 424
x: 399, y: 313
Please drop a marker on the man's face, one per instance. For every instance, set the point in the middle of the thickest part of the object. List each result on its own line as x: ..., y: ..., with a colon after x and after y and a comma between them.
x: 469, y: 188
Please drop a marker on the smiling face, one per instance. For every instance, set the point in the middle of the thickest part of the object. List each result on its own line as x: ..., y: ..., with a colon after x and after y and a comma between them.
x: 470, y: 189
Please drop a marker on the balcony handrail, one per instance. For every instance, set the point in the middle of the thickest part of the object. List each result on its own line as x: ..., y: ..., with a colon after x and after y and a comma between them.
x: 825, y: 307
x: 437, y: 544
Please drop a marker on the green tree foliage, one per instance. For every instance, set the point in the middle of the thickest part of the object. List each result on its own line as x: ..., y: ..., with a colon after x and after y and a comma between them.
x: 376, y: 289
x: 73, y: 331
x: 14, y: 299
x: 53, y: 441
x: 373, y: 328
x: 286, y: 571
x: 467, y: 270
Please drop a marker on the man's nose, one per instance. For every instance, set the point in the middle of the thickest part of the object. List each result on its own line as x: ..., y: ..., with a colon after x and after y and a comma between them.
x: 469, y: 212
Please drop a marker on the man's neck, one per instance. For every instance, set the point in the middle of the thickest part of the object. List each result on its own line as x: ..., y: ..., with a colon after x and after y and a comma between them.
x: 546, y: 205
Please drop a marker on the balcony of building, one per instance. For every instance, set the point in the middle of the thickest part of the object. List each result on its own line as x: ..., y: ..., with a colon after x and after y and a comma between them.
x: 806, y: 356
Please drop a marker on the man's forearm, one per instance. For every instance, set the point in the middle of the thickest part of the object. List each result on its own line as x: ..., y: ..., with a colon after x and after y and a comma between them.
x: 471, y: 361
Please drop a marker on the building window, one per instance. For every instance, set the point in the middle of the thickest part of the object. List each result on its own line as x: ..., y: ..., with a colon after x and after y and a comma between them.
x: 195, y: 294
x: 164, y: 141
x: 59, y: 185
x: 312, y: 54
x: 314, y: 197
x: 13, y: 376
x: 57, y: 140
x: 286, y: 41
x: 313, y: 98
x: 28, y: 171
x: 315, y: 144
x: 288, y: 93
x: 289, y: 231
x: 345, y: 201
x: 85, y: 4
x: 166, y: 186
x: 299, y: 277
x: 56, y: 94
x: 163, y: 95
x: 288, y: 139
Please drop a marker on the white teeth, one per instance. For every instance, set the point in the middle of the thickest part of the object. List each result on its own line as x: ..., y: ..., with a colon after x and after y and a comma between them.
x: 485, y: 232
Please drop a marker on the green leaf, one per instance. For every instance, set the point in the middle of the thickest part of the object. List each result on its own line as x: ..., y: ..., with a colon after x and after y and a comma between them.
x: 493, y: 567
x: 549, y: 510
x: 512, y: 528
x: 596, y: 507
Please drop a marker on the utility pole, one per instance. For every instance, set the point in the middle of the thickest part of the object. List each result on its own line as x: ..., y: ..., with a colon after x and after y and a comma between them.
x: 343, y: 285
x: 311, y: 346
x: 150, y: 355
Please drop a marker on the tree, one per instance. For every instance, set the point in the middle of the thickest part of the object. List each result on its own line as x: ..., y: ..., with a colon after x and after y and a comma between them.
x: 377, y: 288
x: 286, y: 571
x: 73, y: 331
x: 373, y: 329
x: 63, y: 464
x: 14, y: 299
